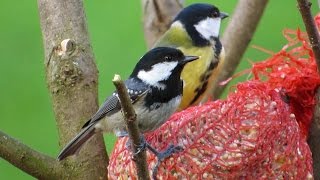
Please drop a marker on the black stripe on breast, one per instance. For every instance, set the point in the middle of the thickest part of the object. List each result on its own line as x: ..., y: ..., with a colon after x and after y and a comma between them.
x: 217, y: 47
x: 205, y: 77
x: 157, y: 96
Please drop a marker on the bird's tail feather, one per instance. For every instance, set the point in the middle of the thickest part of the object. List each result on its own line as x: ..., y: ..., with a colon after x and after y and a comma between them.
x: 75, y: 144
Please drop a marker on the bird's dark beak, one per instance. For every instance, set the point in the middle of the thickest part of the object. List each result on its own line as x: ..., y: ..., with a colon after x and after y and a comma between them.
x: 223, y: 15
x: 188, y: 59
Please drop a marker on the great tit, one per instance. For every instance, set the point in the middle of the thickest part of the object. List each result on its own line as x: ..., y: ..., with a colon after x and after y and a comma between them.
x: 195, y: 31
x: 155, y: 88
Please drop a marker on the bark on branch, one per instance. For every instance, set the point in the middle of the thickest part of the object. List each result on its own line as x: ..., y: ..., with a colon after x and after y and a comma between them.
x: 313, y: 34
x: 130, y: 117
x: 237, y: 37
x: 157, y: 16
x: 72, y: 81
x: 28, y: 160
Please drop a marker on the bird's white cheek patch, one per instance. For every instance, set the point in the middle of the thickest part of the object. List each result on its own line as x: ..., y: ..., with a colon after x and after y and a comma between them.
x: 158, y: 72
x: 209, y: 27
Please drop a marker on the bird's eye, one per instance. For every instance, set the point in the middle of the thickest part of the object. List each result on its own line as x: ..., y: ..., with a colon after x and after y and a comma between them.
x: 168, y: 58
x: 215, y: 14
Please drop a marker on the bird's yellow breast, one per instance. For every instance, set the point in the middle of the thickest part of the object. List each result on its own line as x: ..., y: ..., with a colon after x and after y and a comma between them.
x: 195, y: 75
x: 198, y: 75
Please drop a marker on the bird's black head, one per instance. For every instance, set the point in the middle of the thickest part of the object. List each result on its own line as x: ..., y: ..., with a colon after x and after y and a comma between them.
x: 201, y: 21
x: 160, y: 64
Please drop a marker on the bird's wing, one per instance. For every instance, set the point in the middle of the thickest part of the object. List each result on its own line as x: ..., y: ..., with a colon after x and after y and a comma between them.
x: 112, y: 103
x: 136, y: 90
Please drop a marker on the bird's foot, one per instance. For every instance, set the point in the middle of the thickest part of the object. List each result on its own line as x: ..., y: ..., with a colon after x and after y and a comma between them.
x: 162, y: 156
x: 140, y: 147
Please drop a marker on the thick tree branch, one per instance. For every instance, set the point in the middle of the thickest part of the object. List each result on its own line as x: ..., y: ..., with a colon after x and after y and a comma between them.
x: 28, y: 160
x: 237, y: 37
x: 130, y: 116
x: 314, y: 138
x: 72, y: 81
x: 157, y: 16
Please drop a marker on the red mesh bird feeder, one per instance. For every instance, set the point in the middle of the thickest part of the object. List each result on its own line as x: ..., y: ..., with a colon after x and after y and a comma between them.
x: 258, y: 132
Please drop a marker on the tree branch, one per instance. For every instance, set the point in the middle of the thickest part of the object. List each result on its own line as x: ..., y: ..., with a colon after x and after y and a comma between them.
x: 313, y: 34
x: 314, y: 137
x: 237, y: 37
x: 312, y: 31
x: 157, y: 16
x: 72, y: 79
x: 130, y: 117
x: 30, y: 161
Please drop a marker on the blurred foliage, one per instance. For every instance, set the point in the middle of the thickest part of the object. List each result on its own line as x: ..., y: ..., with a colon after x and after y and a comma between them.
x: 117, y: 39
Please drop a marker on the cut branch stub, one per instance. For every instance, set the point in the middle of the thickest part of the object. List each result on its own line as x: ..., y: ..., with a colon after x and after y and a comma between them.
x: 66, y: 48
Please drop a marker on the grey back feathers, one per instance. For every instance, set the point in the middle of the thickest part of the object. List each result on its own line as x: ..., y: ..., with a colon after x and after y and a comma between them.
x: 112, y: 104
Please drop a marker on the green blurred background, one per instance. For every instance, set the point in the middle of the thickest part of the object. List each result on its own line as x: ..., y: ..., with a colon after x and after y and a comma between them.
x: 116, y: 33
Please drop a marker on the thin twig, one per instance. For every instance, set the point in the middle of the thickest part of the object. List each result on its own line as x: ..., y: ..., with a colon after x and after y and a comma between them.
x: 304, y: 7
x: 237, y: 37
x: 132, y: 126
x: 314, y: 142
x: 30, y: 161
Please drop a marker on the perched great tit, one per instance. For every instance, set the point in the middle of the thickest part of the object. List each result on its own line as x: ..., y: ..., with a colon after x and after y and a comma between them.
x: 155, y: 88
x: 195, y: 31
